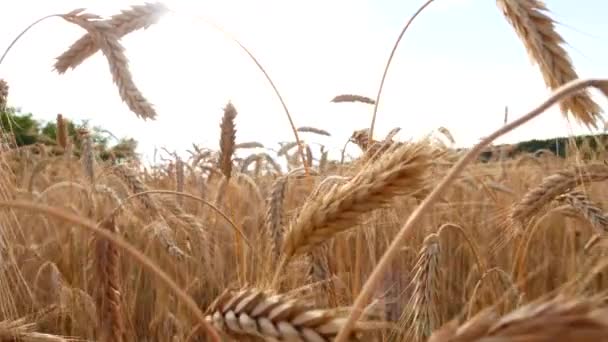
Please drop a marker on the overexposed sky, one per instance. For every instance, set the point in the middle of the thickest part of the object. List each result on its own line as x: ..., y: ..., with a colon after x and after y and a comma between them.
x: 458, y: 66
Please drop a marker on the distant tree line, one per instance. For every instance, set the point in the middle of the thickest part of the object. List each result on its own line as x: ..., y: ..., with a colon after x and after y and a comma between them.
x: 558, y: 146
x: 24, y: 130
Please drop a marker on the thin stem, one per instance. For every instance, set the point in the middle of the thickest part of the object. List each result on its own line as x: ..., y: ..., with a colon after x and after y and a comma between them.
x: 23, y: 32
x: 291, y: 123
x: 119, y: 242
x: 390, y: 58
x: 561, y: 93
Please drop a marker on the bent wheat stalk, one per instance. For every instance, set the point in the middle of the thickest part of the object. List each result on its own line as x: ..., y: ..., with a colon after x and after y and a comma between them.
x: 388, y: 63
x: 562, y: 92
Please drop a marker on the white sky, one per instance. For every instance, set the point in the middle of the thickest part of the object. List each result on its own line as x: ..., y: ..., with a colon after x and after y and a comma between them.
x: 450, y: 70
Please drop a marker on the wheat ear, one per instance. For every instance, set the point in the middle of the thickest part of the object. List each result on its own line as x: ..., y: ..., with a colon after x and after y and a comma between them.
x: 61, y: 135
x: 138, y: 17
x: 425, y: 298
x: 273, y: 220
x: 556, y: 320
x: 537, y: 32
x: 313, y: 130
x: 104, y: 36
x: 401, y: 171
x: 277, y: 317
x: 581, y: 203
x: 227, y: 140
x: 555, y: 185
x: 352, y: 98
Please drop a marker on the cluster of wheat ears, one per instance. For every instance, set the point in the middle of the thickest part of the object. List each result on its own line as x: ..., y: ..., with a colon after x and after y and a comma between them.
x: 411, y: 241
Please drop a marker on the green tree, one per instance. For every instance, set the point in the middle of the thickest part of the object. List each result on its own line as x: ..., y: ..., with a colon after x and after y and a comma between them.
x: 22, y: 126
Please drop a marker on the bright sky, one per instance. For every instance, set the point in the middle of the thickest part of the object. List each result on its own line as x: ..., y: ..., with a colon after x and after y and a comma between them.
x: 458, y: 66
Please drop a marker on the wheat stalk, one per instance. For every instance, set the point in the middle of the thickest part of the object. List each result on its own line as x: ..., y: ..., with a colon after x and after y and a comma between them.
x: 105, y: 37
x: 138, y: 17
x: 227, y: 137
x: 252, y: 312
x: 537, y: 32
x: 107, y: 260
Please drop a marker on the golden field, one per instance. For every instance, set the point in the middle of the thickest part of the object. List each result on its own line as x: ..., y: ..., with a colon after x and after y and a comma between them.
x: 411, y: 241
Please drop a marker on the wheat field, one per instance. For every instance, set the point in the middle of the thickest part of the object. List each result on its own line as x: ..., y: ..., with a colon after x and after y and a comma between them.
x: 411, y: 241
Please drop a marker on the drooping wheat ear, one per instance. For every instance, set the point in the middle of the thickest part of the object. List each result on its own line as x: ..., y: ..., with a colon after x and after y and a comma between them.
x: 555, y: 185
x: 3, y: 94
x: 88, y: 155
x: 277, y: 317
x: 537, y: 32
x: 105, y: 37
x: 273, y: 220
x: 555, y: 320
x: 353, y: 98
x: 62, y: 132
x: 131, y: 179
x: 447, y: 134
x: 313, y: 130
x: 249, y: 144
x: 179, y: 179
x: 107, y: 261
x: 138, y: 17
x: 424, y: 317
x: 401, y: 171
x: 227, y: 138
x: 588, y: 209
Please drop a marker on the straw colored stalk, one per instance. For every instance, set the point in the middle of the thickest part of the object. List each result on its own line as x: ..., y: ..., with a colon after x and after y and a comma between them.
x: 107, y: 260
x: 544, y: 45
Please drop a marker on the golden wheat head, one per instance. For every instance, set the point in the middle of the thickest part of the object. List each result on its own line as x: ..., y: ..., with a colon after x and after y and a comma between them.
x: 537, y: 32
